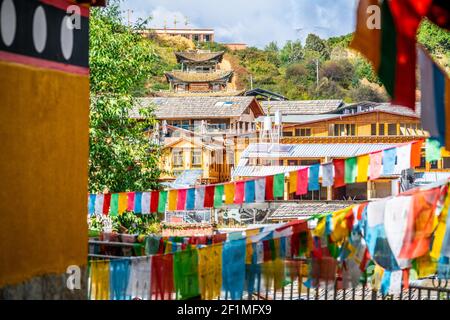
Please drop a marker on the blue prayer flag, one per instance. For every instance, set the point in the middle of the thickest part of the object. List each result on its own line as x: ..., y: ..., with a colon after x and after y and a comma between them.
x: 313, y: 183
x: 138, y: 202
x: 190, y: 199
x: 250, y: 191
x: 389, y: 156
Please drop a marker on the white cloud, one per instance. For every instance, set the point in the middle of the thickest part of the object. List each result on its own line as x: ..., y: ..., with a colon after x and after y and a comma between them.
x: 256, y: 22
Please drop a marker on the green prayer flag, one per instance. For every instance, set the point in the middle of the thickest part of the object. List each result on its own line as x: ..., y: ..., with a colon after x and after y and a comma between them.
x: 351, y: 170
x: 218, y: 196
x: 114, y: 205
x: 162, y: 201
x: 278, y: 185
x: 432, y: 150
x: 185, y: 274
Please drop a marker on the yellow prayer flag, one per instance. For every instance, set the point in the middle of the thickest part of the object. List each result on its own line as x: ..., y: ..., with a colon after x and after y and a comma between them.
x: 123, y: 202
x: 251, y: 232
x: 229, y: 193
x: 249, y: 253
x: 363, y: 168
x: 99, y: 274
x: 210, y: 271
x: 173, y: 200
x: 293, y: 182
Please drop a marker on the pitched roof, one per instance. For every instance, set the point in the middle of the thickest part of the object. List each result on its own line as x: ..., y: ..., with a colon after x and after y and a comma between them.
x: 305, y: 209
x: 312, y: 150
x: 302, y: 106
x: 199, y: 56
x: 385, y: 107
x: 182, y: 76
x: 197, y: 107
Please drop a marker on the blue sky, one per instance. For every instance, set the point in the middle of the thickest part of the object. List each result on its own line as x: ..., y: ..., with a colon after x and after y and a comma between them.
x: 255, y: 22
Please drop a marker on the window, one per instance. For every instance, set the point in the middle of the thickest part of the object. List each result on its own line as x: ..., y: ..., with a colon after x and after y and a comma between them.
x: 433, y: 164
x: 446, y: 163
x: 373, y: 129
x: 177, y: 157
x: 303, y: 132
x: 196, y: 37
x: 196, y: 157
x: 309, y: 162
x: 287, y: 133
x: 381, y: 129
x: 422, y: 163
x: 292, y: 162
x: 392, y: 129
x: 207, y: 37
x: 342, y: 130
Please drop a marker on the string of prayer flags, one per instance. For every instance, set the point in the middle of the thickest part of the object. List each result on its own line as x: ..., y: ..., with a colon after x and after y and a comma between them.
x: 339, y: 172
x: 435, y: 98
x: 302, y: 182
x: 313, y: 178
x: 351, y: 170
x: 278, y: 185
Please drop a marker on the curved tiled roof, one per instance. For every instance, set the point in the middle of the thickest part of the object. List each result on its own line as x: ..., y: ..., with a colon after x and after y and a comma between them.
x: 219, y: 75
x: 199, y: 56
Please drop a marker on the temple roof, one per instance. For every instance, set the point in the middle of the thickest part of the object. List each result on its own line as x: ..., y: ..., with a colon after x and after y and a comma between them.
x: 182, y: 76
x: 199, y: 56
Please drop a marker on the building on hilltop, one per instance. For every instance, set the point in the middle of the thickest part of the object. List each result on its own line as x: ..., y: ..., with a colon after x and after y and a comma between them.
x: 200, y: 73
x: 194, y: 34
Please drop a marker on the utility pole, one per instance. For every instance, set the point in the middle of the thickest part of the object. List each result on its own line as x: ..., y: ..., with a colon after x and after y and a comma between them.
x: 129, y: 16
x: 317, y: 73
x: 251, y: 81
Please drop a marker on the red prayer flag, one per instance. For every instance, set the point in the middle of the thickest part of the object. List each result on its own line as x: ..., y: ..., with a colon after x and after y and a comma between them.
x: 239, y: 192
x: 269, y: 188
x: 209, y: 196
x: 416, y: 151
x: 302, y: 182
x: 130, y: 204
x: 106, y: 203
x: 154, y: 201
x: 162, y: 277
x: 181, y: 200
x: 267, y: 253
x: 339, y: 172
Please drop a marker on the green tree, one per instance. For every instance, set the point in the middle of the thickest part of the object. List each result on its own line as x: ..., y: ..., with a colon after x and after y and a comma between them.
x: 341, y: 71
x: 121, y: 156
x: 315, y: 43
x: 292, y: 52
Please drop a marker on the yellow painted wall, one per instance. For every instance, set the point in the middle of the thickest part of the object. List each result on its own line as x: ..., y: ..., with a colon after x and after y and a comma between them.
x: 44, y: 159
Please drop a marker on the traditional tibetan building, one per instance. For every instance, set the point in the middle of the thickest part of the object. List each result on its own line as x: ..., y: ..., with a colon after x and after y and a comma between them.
x: 200, y: 73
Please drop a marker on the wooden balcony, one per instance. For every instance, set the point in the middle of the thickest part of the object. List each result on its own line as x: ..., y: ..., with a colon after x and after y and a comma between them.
x: 350, y: 139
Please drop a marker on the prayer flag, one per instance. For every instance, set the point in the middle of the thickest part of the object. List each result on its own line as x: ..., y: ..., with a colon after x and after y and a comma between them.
x: 278, y: 185
x: 106, y: 203
x: 416, y: 153
x: 269, y: 188
x: 339, y: 172
x: 250, y: 191
x: 181, y: 200
x: 327, y: 174
x: 199, y: 198
x: 130, y: 202
x: 313, y: 179
x: 239, y: 192
x: 91, y: 208
x: 351, y: 170
x: 154, y: 201
x: 432, y: 150
x: 172, y: 200
x: 137, y: 202
x: 376, y: 165
x: 123, y: 202
x: 302, y: 182
x: 389, y: 156
x: 114, y: 204
x: 229, y: 193
x: 233, y: 269
x: 119, y: 275
x: 435, y: 99
x: 403, y: 157
x: 209, y: 196
x: 162, y: 201
x: 292, y: 181
x: 218, y: 196
x: 162, y: 277
x: 139, y: 282
x: 146, y: 202
x: 389, y: 46
x: 190, y: 202
x: 363, y: 168
x: 99, y: 204
x: 260, y: 189
x: 100, y: 280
